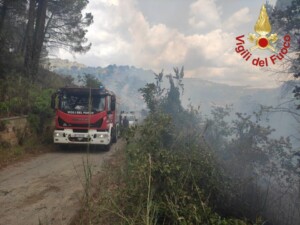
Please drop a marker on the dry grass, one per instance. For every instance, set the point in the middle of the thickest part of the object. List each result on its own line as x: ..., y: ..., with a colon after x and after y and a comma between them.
x: 11, y: 155
x: 101, y: 207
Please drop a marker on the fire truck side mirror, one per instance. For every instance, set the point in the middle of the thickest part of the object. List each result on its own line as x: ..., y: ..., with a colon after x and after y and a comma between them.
x: 113, y: 104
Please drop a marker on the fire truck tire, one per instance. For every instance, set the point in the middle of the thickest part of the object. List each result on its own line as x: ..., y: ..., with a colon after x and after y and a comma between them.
x: 106, y: 147
x: 63, y: 147
x: 114, y: 134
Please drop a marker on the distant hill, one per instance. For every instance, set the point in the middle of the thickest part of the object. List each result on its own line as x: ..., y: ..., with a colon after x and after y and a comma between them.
x: 63, y: 63
x: 123, y: 80
x: 126, y: 80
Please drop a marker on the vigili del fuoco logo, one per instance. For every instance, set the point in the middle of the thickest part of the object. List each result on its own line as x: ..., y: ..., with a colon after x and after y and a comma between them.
x: 263, y: 40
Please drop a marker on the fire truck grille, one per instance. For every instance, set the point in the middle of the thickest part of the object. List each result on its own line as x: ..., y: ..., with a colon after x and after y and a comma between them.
x: 83, y: 125
x: 78, y: 139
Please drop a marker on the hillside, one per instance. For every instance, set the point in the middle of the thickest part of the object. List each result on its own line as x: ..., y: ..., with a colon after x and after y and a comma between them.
x: 126, y: 80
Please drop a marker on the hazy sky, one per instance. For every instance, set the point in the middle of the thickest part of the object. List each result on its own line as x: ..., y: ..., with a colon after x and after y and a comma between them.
x: 162, y: 34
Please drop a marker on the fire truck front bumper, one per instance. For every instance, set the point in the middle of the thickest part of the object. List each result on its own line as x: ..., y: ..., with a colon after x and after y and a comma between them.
x: 93, y: 137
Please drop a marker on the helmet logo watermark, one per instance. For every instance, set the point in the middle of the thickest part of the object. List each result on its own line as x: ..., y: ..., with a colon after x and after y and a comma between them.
x: 263, y: 40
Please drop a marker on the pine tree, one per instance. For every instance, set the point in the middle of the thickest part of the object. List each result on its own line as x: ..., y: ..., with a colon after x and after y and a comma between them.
x: 53, y: 23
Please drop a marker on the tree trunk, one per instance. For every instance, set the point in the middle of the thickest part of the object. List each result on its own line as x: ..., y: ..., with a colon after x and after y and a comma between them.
x: 28, y: 38
x: 3, y: 14
x: 39, y: 35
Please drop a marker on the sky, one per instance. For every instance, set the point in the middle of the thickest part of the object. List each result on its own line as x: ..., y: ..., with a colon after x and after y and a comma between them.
x: 161, y: 34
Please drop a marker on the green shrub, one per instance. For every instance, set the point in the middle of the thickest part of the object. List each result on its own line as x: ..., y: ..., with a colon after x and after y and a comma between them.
x: 178, y: 180
x: 172, y: 175
x: 41, y: 113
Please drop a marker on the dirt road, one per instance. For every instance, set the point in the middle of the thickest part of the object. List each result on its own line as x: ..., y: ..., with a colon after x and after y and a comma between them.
x: 48, y: 188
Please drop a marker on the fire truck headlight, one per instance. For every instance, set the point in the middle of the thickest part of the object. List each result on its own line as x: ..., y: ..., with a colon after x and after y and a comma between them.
x: 57, y: 134
x: 103, y: 135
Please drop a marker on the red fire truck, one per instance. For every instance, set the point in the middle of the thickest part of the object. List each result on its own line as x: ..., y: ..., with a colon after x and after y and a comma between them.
x: 85, y: 116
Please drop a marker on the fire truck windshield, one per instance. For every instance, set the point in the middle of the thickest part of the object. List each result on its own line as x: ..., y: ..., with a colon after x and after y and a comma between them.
x: 80, y: 104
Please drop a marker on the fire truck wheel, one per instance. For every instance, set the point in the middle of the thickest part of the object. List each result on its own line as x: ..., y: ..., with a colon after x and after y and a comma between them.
x: 114, y: 135
x: 63, y: 147
x: 106, y: 147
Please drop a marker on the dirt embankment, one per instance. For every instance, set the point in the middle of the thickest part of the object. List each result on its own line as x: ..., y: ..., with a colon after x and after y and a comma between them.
x: 47, y: 189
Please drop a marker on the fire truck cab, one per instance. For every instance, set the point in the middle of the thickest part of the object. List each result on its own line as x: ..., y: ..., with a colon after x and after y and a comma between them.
x: 85, y: 116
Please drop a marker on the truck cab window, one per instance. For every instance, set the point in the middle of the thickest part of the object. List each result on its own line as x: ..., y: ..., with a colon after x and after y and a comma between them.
x: 99, y: 105
x: 79, y: 104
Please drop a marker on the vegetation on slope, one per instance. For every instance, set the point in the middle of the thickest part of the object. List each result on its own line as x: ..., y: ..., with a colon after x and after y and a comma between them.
x: 168, y: 174
x: 28, y: 30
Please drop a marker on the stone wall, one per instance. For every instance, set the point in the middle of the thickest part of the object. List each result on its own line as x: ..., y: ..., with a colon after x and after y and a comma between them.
x: 13, y: 130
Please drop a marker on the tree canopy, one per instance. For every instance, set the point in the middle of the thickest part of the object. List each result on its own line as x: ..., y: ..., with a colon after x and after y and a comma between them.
x: 287, y: 21
x: 28, y: 29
